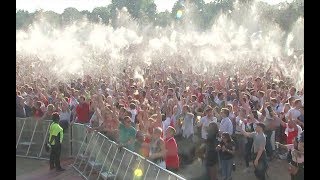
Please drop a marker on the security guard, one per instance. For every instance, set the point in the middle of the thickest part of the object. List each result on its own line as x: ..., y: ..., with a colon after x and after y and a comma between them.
x: 55, y: 140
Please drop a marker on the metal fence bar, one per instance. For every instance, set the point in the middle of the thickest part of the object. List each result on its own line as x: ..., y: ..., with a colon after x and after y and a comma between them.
x: 30, y: 157
x: 44, y: 140
x: 128, y: 167
x: 97, y: 156
x: 35, y: 127
x: 104, y: 161
x: 120, y: 163
x: 75, y: 140
x: 114, y: 157
x: 145, y: 174
x: 24, y: 122
x: 94, y: 147
x: 157, y: 174
x: 80, y: 148
x: 85, y: 150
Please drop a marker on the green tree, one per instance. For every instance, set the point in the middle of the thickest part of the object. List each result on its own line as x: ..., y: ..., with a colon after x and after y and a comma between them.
x: 23, y: 19
x: 70, y: 15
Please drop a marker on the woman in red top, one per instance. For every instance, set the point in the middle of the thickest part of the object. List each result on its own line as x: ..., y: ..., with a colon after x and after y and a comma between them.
x: 172, y: 158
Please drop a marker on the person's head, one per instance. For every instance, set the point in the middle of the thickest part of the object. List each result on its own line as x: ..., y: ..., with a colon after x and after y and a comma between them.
x: 220, y: 96
x: 261, y: 94
x: 213, y: 128
x: 82, y: 99
x: 38, y: 104
x: 260, y: 127
x: 127, y: 121
x: 286, y: 107
x: 273, y: 94
x: 224, y: 112
x: 226, y: 138
x: 157, y: 132
x: 297, y: 103
x: 193, y: 98
x: 291, y: 124
x: 170, y: 91
x: 50, y: 108
x: 291, y: 101
x: 55, y: 117
x: 170, y: 132
x: 185, y: 109
x: 292, y: 91
x: 273, y: 102
x: 132, y: 106
x: 257, y: 80
x: 230, y: 107
x: 140, y: 137
x: 209, y: 111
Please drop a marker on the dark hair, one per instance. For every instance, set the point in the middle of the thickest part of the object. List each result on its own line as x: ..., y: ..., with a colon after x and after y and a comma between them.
x: 213, y: 128
x: 55, y: 117
x: 226, y: 111
x: 261, y: 125
x: 227, y: 135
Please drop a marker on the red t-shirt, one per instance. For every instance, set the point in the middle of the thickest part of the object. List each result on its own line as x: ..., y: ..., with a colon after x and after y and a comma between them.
x: 172, y: 158
x: 82, y: 111
x: 291, y: 136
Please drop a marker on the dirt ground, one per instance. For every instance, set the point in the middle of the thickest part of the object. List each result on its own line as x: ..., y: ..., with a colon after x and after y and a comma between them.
x: 277, y: 171
x: 31, y: 169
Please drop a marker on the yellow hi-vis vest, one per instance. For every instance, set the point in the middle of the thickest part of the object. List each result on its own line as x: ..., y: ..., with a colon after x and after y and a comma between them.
x: 55, y: 129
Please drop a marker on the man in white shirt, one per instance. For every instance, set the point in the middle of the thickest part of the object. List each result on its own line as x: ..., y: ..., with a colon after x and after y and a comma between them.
x: 240, y: 126
x: 205, y: 121
x: 226, y: 124
x: 187, y: 124
x: 294, y: 113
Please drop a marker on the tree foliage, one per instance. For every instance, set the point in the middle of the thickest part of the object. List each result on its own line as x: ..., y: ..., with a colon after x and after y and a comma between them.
x: 202, y: 15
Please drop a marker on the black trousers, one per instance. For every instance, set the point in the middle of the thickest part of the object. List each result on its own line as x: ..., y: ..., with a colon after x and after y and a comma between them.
x: 248, y: 152
x: 260, y: 170
x: 55, y: 156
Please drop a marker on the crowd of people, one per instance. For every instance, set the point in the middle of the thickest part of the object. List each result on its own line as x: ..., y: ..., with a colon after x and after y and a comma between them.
x: 251, y: 115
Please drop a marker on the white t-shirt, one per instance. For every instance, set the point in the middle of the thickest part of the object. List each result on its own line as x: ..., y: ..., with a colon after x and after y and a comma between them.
x: 133, y: 114
x: 226, y: 126
x: 187, y: 126
x: 295, y: 113
x: 239, y: 125
x: 205, y: 121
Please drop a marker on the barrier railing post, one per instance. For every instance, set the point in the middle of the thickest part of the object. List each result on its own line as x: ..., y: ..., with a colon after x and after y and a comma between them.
x: 157, y: 174
x: 96, y: 157
x: 120, y: 163
x: 20, y: 133
x: 104, y: 161
x: 44, y: 140
x: 85, y: 150
x: 128, y: 167
x: 80, y: 147
x: 94, y: 147
x: 114, y: 157
x: 35, y: 127
x: 145, y: 174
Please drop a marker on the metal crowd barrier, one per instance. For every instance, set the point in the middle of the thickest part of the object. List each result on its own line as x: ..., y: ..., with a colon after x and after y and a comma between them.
x: 95, y: 156
x: 31, y: 136
x: 100, y: 158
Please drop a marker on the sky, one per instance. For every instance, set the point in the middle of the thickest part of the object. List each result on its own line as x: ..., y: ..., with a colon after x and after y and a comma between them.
x: 59, y: 5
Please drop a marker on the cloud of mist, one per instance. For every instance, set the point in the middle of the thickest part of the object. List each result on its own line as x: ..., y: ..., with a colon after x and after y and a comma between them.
x: 97, y: 49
